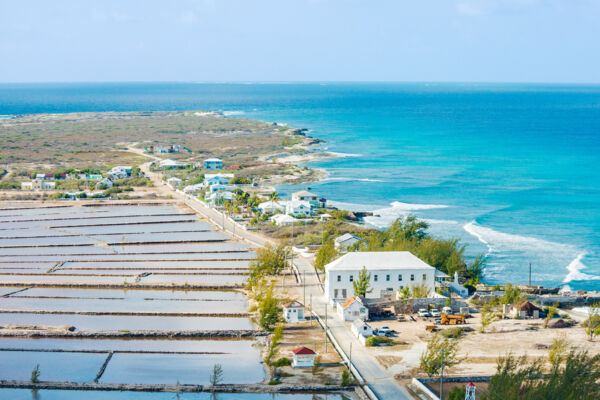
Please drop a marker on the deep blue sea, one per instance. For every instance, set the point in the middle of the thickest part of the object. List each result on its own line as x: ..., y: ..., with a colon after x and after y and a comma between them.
x: 512, y: 170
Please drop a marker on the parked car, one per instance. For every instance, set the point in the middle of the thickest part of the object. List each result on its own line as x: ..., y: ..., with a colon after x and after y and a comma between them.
x: 384, y: 331
x: 434, y: 313
x: 447, y: 310
x: 423, y: 313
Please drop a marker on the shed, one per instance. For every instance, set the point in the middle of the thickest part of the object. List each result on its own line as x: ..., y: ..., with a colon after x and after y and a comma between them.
x: 362, y: 330
x: 352, y: 309
x: 528, y: 309
x: 293, y: 311
x: 303, y: 357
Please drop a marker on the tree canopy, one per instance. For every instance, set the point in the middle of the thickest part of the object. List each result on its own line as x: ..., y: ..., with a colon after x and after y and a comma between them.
x: 410, y: 234
x: 362, y: 285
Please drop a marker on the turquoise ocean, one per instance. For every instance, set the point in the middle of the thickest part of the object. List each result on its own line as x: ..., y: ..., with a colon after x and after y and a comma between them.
x: 513, y: 170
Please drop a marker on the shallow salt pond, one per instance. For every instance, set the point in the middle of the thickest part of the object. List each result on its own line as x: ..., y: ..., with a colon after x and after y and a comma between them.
x: 132, y: 301
x: 47, y: 241
x: 72, y: 367
x: 195, y: 279
x: 162, y: 237
x: 66, y: 223
x: 139, y: 271
x: 184, y: 226
x: 186, y: 368
x: 180, y: 248
x: 58, y: 279
x: 26, y: 394
x: 128, y: 323
x: 173, y: 345
x: 84, y: 212
x: 216, y: 264
x: 242, y: 255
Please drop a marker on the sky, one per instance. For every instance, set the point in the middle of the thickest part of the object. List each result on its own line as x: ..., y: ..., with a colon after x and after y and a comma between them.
x: 300, y: 40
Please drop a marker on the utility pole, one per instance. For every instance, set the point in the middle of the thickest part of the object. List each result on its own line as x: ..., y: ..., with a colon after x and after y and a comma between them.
x: 304, y: 285
x: 529, y: 274
x: 325, y: 328
x: 311, y: 318
x: 442, y: 377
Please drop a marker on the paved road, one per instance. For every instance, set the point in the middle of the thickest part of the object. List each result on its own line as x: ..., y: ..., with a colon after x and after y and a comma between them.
x: 378, y: 378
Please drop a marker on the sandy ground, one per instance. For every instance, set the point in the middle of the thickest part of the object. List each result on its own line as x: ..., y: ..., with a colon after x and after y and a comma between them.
x: 480, y: 351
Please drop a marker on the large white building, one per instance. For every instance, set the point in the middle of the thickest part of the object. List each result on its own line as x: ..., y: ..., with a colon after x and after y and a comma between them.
x: 389, y: 270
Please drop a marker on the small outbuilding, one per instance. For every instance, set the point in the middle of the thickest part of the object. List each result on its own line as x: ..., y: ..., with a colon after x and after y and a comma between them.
x: 344, y: 242
x: 361, y: 330
x: 528, y: 309
x: 283, y: 220
x: 352, y: 309
x: 293, y: 311
x: 303, y: 357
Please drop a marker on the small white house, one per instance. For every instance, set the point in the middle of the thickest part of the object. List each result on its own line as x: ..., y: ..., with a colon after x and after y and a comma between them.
x: 120, y: 171
x: 170, y: 164
x: 305, y: 195
x: 293, y: 311
x: 346, y: 241
x: 193, y: 189
x: 38, y: 184
x: 361, y: 330
x: 325, y: 217
x: 213, y: 163
x: 27, y: 185
x: 283, y: 219
x: 174, y: 182
x: 272, y: 207
x: 352, y: 309
x: 298, y: 208
x: 303, y: 357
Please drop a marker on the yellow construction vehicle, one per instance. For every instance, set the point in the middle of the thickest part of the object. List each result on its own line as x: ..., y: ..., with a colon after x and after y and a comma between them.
x: 452, y: 319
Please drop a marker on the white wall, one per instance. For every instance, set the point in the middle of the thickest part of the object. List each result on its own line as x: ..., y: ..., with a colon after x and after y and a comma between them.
x: 332, y: 284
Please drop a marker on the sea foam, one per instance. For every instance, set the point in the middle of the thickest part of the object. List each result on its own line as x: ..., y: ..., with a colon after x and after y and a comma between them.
x: 575, y: 273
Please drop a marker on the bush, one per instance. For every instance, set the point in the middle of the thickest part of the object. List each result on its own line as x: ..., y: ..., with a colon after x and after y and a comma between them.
x: 283, y: 362
x: 378, y: 341
x: 346, y: 378
x: 35, y: 374
x: 456, y: 393
x: 452, y: 332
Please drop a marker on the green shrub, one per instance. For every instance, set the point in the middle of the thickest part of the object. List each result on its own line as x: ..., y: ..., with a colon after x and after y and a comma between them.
x: 379, y: 341
x: 456, y: 393
x: 283, y: 362
x: 452, y: 332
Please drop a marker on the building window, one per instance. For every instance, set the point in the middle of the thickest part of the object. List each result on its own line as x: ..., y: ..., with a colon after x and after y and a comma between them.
x: 387, y: 278
x: 335, y: 293
x: 339, y: 278
x: 375, y: 278
x: 399, y: 277
x: 424, y: 277
x: 351, y: 278
x: 412, y: 277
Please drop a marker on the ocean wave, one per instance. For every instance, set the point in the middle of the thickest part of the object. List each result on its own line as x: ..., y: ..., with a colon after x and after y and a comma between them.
x: 384, y: 217
x: 343, y: 179
x: 343, y: 155
x: 228, y: 113
x: 575, y: 273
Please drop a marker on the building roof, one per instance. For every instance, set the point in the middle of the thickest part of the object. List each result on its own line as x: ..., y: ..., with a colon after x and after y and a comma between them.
x: 528, y: 306
x: 345, y: 237
x: 271, y: 204
x: 377, y: 260
x: 294, y: 304
x: 298, y: 204
x: 213, y: 160
x: 348, y: 302
x: 279, y: 218
x: 303, y: 350
x: 226, y: 176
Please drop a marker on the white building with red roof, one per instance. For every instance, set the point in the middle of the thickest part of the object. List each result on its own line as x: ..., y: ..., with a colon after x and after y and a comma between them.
x: 303, y: 357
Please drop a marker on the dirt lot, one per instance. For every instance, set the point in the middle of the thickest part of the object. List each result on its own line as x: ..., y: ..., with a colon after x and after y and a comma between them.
x: 480, y: 350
